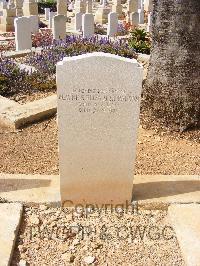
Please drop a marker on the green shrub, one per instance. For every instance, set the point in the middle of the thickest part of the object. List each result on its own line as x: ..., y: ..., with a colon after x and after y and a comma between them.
x: 46, y: 4
x: 140, y: 41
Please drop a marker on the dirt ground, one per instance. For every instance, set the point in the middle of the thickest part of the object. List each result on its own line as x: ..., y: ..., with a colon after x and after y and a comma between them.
x: 72, y: 237
x: 35, y: 150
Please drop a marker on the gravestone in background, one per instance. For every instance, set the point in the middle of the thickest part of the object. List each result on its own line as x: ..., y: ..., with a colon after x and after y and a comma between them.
x: 98, y: 115
x: 23, y: 33
x: 78, y: 21
x: 112, y: 24
x: 88, y: 25
x: 59, y: 27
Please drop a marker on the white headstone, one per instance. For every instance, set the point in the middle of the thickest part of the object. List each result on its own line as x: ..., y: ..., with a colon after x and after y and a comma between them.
x: 149, y: 25
x: 22, y: 33
x: 98, y: 117
x: 34, y: 23
x: 78, y: 21
x: 112, y: 24
x: 51, y: 15
x: 88, y: 25
x: 47, y: 11
x: 134, y: 18
x: 59, y: 27
x: 141, y: 16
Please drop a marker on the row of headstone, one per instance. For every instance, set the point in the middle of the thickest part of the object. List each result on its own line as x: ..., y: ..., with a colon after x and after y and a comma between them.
x: 85, y: 22
x: 97, y: 150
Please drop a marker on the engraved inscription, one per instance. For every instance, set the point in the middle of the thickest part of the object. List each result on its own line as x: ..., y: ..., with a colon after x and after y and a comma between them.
x: 96, y: 100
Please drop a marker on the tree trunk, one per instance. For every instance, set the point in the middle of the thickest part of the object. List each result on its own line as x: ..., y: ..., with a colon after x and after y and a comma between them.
x: 171, y: 95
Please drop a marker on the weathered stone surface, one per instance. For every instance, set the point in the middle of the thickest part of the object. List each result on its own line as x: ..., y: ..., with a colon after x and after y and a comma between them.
x: 186, y: 222
x: 10, y: 216
x: 17, y: 116
x: 98, y: 112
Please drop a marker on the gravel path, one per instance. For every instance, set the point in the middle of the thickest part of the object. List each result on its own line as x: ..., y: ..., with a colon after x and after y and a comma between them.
x: 35, y: 150
x: 65, y: 237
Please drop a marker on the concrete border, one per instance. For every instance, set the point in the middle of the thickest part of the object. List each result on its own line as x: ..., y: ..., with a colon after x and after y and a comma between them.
x: 150, y: 192
x: 10, y: 218
x: 14, y: 115
x: 186, y: 222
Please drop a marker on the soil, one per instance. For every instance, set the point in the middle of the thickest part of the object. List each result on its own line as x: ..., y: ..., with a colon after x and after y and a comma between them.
x: 83, y: 237
x: 34, y: 150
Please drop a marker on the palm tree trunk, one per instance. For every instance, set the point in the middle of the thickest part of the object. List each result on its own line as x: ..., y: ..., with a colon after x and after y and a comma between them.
x: 171, y: 93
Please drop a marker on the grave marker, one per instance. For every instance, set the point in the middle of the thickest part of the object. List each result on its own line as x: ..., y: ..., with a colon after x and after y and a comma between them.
x: 59, y: 27
x: 88, y: 25
x: 98, y: 116
x: 78, y: 21
x: 23, y: 33
x: 112, y: 24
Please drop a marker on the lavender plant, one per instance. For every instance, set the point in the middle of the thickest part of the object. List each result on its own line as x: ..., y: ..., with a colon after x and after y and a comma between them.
x: 15, y: 81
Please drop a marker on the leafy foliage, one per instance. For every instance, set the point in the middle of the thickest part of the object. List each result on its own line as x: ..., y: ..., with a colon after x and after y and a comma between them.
x: 140, y: 41
x: 42, y: 4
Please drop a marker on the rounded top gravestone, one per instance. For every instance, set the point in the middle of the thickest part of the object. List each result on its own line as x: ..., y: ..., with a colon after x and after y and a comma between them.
x: 98, y: 116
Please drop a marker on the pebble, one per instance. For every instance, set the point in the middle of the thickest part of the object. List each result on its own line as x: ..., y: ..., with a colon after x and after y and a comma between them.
x: 43, y: 207
x: 68, y: 257
x: 34, y: 220
x: 89, y: 260
x: 22, y: 263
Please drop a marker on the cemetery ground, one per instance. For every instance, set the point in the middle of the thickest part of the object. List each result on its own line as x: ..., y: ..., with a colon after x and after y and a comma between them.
x: 34, y: 150
x: 147, y: 236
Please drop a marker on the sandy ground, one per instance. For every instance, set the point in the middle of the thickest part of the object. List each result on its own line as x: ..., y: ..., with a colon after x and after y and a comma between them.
x: 35, y: 150
x: 66, y: 237
x: 109, y: 238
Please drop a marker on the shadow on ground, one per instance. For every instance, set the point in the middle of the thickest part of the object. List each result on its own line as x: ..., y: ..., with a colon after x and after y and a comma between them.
x: 160, y: 189
x: 21, y: 184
